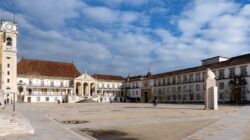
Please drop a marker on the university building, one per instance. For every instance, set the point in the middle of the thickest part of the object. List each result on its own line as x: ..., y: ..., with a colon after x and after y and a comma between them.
x: 45, y: 81
x: 187, y: 85
x: 49, y: 81
x: 99, y: 87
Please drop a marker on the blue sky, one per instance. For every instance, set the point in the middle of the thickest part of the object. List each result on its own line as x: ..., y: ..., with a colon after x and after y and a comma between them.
x: 128, y: 36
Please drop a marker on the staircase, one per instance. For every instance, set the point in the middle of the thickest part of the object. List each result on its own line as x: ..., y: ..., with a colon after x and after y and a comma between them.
x: 14, y: 124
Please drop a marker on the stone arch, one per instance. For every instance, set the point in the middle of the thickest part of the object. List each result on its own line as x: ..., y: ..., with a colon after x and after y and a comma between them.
x: 85, y: 89
x: 92, y: 89
x: 20, y: 96
x: 78, y: 88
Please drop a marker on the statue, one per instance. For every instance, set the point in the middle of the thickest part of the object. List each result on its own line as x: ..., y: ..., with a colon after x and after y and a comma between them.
x: 211, y: 92
x: 210, y: 74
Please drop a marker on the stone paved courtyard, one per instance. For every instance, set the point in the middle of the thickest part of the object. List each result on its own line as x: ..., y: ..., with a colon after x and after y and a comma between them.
x: 137, y: 121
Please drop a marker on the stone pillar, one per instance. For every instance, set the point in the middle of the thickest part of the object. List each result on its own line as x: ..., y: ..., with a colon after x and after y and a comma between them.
x: 211, y: 91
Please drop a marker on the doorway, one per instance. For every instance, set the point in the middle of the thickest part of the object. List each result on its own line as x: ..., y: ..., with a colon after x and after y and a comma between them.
x: 29, y: 99
x: 146, y: 97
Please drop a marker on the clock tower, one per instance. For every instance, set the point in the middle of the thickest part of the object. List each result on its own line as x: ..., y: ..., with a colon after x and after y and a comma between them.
x: 8, y: 62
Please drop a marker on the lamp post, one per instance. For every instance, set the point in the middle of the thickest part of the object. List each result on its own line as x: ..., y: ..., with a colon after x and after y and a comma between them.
x: 14, y: 105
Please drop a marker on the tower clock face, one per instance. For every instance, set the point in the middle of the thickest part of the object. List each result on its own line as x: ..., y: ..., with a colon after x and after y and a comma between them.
x: 9, y: 26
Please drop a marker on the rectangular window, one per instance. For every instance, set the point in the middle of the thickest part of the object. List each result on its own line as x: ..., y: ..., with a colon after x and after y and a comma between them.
x: 52, y: 84
x: 164, y: 81
x: 197, y: 87
x: 8, y: 80
x: 8, y: 65
x: 173, y: 89
x: 8, y: 72
x: 231, y: 72
x: 191, y: 88
x: 38, y: 99
x: 243, y: 70
x: 169, y: 81
x: 221, y: 74
x: 185, y: 79
x: 191, y: 78
x: 174, y: 80
x: 47, y: 99
x: 185, y: 88
x: 179, y: 89
x: 179, y: 79
x: 198, y: 77
x: 7, y: 57
x: 221, y: 85
x: 198, y: 97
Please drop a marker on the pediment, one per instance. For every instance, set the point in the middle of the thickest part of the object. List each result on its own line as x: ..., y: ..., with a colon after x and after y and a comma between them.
x: 85, y: 77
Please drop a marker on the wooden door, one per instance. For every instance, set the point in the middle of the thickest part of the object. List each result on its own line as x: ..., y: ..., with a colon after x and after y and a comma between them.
x: 29, y: 99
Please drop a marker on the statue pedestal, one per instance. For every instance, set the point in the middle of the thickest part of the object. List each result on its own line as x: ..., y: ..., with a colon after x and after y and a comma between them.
x: 211, y: 95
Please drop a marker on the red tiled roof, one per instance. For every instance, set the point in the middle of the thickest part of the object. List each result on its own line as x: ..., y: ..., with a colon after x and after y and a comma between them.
x: 46, y: 68
x: 107, y: 77
x: 237, y: 60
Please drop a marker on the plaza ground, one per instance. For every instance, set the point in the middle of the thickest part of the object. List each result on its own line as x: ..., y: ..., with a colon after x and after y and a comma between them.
x: 138, y: 121
x: 131, y: 120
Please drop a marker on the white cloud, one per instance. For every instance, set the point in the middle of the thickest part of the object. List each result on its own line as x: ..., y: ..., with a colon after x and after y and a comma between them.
x: 106, y: 15
x: 50, y: 13
x: 207, y: 28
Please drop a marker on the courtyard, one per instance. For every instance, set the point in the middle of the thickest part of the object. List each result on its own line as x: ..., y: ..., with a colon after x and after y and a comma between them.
x: 135, y: 121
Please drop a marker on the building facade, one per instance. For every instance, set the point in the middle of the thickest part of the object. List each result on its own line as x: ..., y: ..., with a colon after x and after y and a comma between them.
x: 8, y: 60
x: 99, y: 87
x: 45, y: 81
x: 187, y: 85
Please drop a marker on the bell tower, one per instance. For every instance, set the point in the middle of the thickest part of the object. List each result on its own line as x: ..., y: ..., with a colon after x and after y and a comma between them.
x: 8, y: 60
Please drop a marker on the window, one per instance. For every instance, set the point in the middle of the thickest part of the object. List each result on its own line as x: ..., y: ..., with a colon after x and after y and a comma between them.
x: 179, y: 89
x: 231, y: 72
x: 191, y: 88
x: 164, y: 81
x: 8, y: 72
x: 169, y: 81
x: 243, y: 70
x: 8, y: 65
x: 203, y: 76
x: 185, y: 88
x: 47, y: 99
x: 191, y: 77
x: 38, y: 99
x: 221, y: 74
x: 9, y: 41
x: 155, y: 84
x: 159, y: 82
x: 173, y: 89
x: 185, y: 78
x: 221, y: 85
x: 197, y: 87
x: 179, y: 79
x: 52, y: 84
x: 198, y: 77
x: 30, y: 82
x: 174, y: 80
x: 198, y: 97
x: 8, y: 88
x: 168, y: 90
x: 8, y: 80
x: 8, y: 57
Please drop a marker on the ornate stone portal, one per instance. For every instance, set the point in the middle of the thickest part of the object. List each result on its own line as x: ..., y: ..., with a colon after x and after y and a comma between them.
x: 211, y: 91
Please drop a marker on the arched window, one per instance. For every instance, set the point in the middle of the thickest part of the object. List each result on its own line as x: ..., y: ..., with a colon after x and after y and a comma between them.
x: 9, y: 41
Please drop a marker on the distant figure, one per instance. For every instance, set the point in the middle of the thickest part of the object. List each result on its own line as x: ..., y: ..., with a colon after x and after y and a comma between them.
x: 101, y: 99
x: 155, y: 101
x: 110, y: 100
x: 58, y: 101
